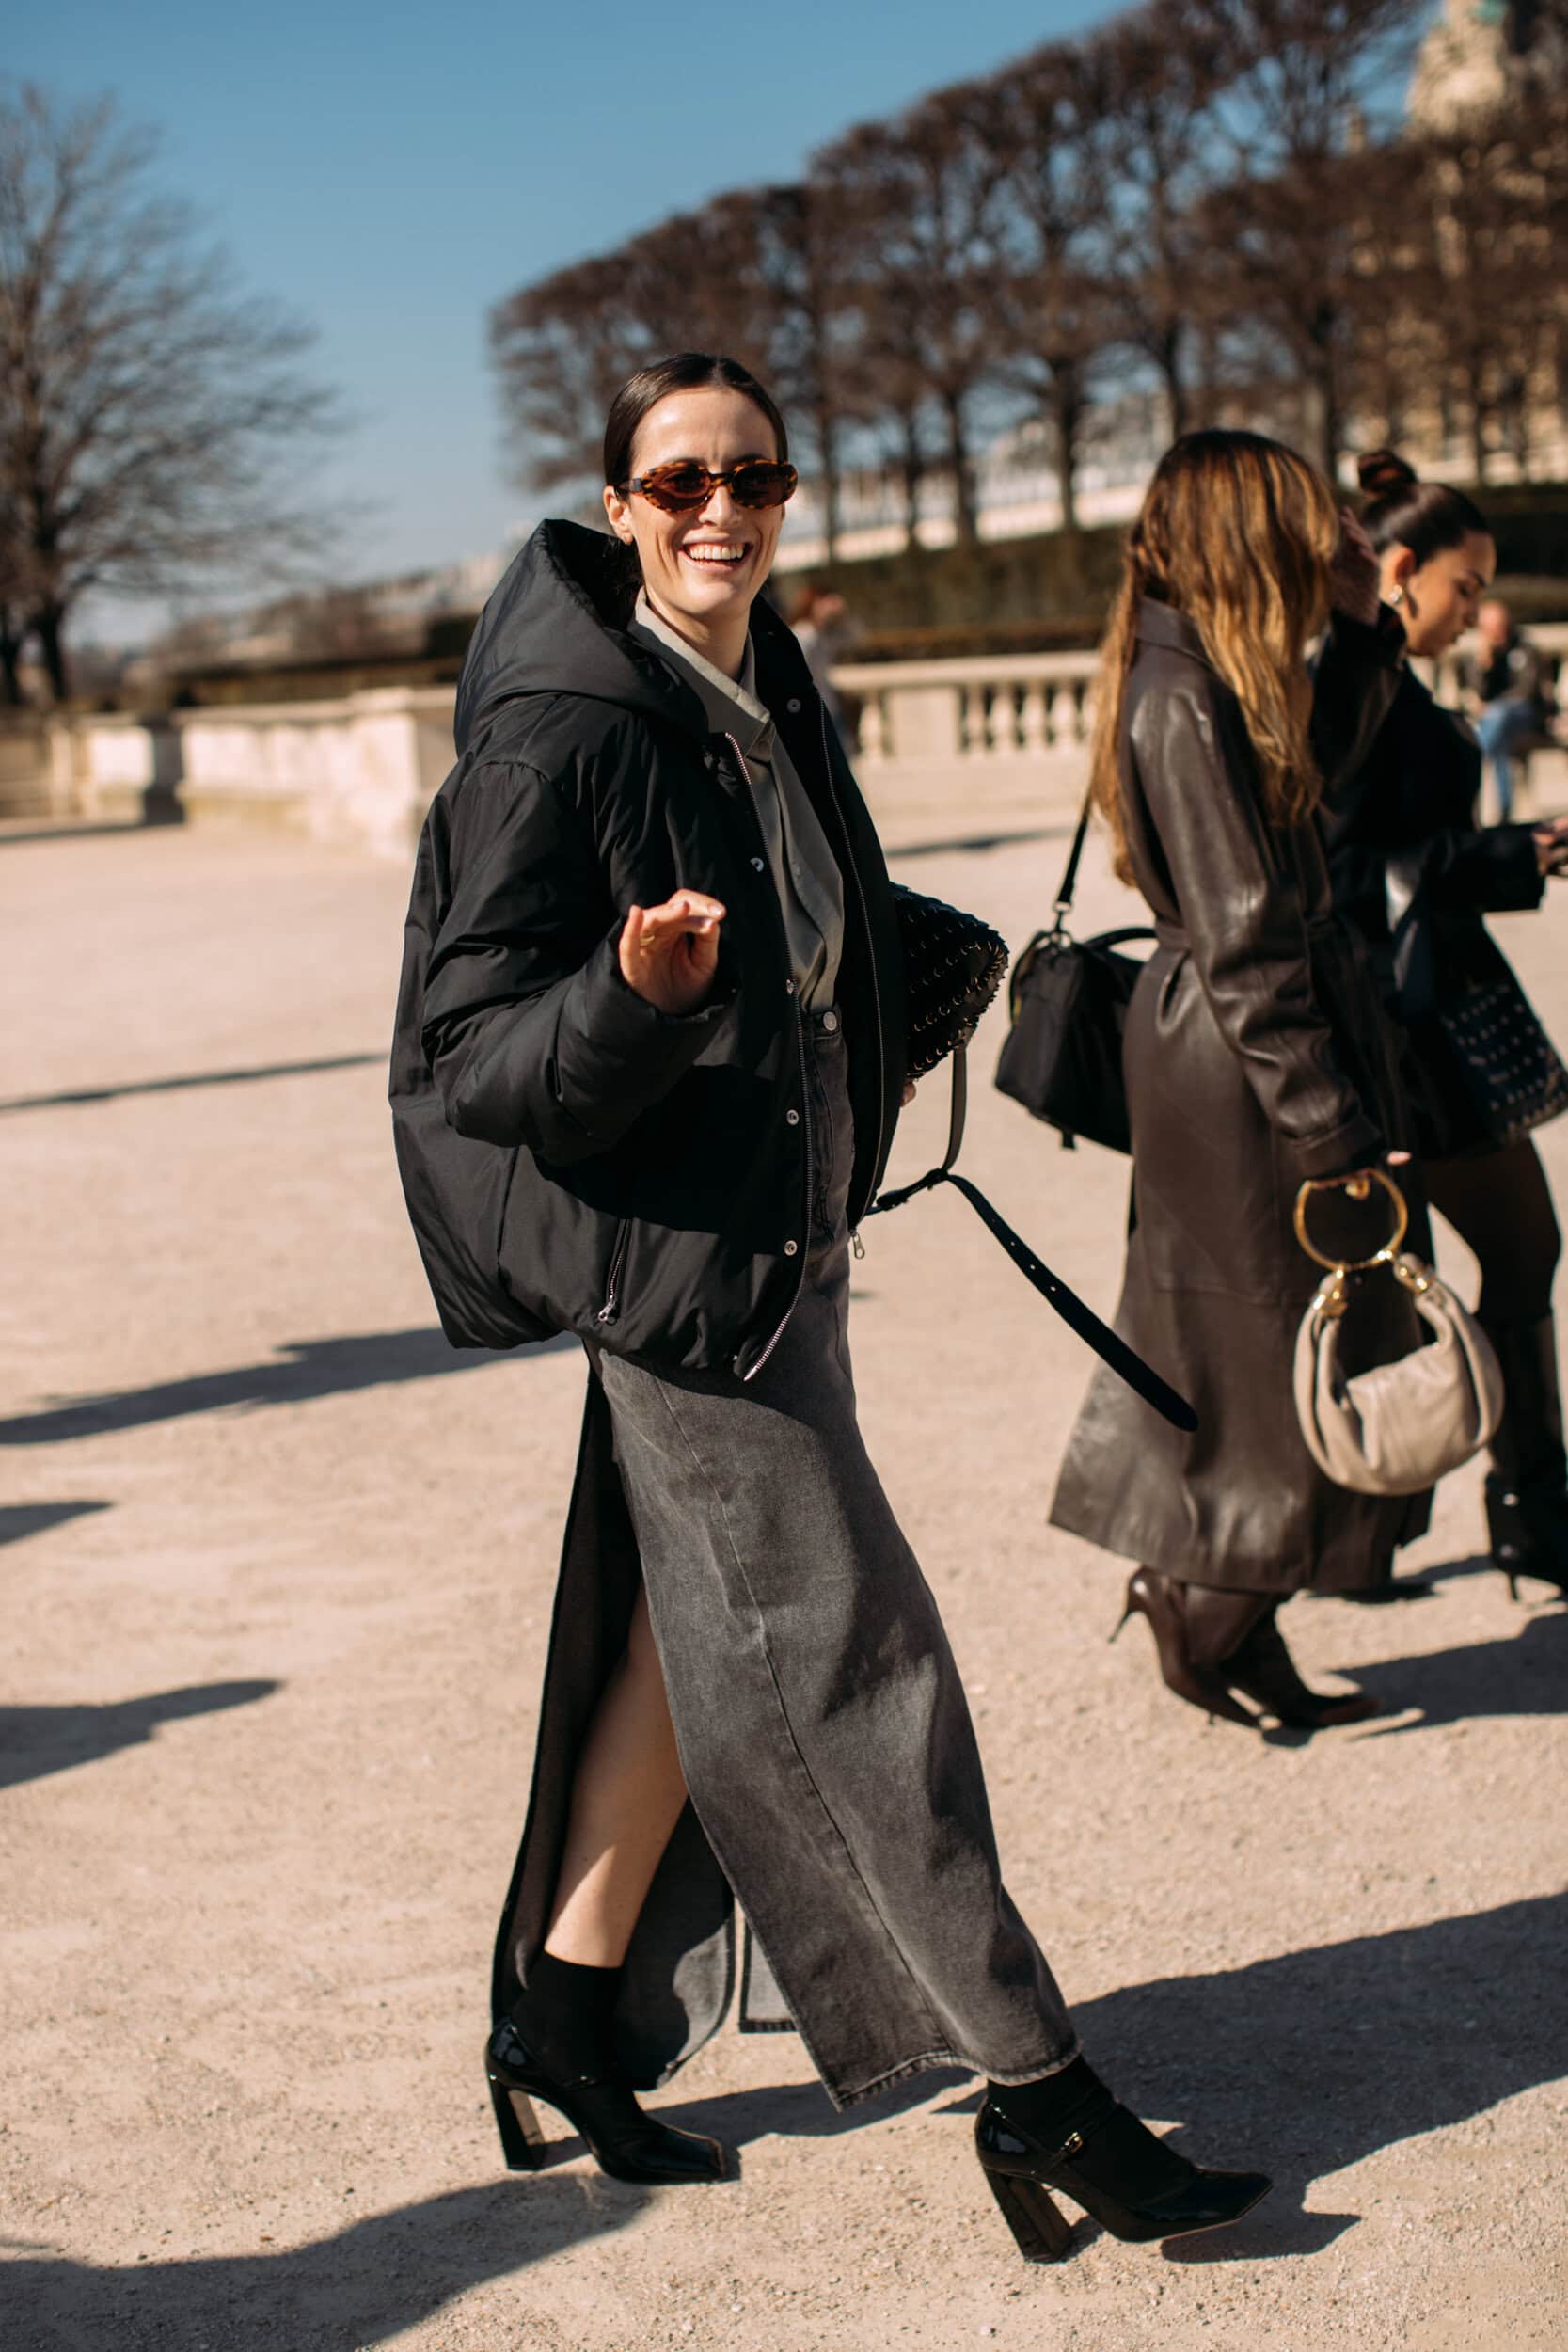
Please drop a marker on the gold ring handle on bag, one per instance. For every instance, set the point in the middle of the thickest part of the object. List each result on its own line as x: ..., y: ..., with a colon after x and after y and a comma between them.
x: 1357, y: 1186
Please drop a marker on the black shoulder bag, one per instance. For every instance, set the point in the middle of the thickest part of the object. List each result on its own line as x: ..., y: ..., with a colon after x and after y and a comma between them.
x: 953, y: 965
x: 1069, y: 1000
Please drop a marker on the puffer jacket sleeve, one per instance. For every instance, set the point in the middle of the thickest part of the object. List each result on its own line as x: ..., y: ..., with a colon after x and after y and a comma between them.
x: 1235, y: 884
x: 532, y: 1036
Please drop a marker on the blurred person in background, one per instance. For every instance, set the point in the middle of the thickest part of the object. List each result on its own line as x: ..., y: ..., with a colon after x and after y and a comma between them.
x: 1257, y: 1055
x: 827, y: 633
x: 1416, y: 874
x: 1504, y: 685
x: 649, y: 1059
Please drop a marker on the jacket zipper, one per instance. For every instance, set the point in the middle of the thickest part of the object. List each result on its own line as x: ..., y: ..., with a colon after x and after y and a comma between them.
x: 611, y: 1311
x: 805, y: 1109
x: 855, y: 1242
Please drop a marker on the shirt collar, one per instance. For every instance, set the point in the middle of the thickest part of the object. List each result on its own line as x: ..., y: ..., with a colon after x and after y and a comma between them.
x: 731, y: 705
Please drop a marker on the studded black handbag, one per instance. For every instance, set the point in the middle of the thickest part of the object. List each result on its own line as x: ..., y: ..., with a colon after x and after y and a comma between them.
x: 954, y: 965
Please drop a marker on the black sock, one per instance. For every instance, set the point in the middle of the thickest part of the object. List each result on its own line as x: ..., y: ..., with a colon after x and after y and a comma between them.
x: 1118, y: 2153
x: 563, y: 2013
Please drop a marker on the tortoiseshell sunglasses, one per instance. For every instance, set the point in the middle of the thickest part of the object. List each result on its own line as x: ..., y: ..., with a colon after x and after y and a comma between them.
x: 681, y: 487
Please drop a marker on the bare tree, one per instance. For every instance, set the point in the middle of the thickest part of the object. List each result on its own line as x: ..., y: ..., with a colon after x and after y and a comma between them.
x: 1159, y: 72
x: 912, y: 203
x: 1308, y: 175
x: 146, y: 405
x: 1041, y: 125
x: 1494, y: 207
x: 561, y: 347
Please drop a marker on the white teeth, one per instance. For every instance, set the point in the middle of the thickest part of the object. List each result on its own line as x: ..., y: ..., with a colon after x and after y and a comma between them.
x: 715, y: 555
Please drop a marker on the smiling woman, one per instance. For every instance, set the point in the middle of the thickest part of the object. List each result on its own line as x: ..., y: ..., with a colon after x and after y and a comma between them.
x: 650, y: 1056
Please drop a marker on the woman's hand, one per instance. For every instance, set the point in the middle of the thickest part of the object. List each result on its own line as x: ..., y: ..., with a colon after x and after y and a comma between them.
x: 1356, y: 575
x: 669, y: 954
x: 1551, y: 846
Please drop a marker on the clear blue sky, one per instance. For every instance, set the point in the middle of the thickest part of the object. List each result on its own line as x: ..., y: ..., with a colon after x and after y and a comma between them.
x: 391, y: 170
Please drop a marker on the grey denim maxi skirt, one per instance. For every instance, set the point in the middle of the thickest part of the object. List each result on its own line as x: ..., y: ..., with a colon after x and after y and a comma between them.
x: 834, y: 1780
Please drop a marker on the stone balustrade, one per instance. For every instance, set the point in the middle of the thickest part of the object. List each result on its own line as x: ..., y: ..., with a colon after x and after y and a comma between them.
x: 361, y: 771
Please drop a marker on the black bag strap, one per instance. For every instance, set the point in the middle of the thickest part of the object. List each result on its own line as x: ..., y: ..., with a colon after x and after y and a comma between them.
x: 1069, y: 879
x: 1123, y: 1360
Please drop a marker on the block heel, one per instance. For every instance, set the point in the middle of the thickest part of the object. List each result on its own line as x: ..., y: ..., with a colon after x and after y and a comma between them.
x: 522, y: 2141
x: 622, y: 2141
x: 1041, y: 2234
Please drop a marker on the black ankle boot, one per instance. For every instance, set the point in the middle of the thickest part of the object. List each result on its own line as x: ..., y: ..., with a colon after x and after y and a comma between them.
x: 1526, y: 1488
x: 1066, y: 2132
x: 557, y: 2045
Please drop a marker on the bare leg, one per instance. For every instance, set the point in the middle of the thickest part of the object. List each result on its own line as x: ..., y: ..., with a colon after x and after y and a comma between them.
x: 625, y: 1802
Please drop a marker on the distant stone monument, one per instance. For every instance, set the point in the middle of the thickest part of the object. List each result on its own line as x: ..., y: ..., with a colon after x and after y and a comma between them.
x: 1482, y: 54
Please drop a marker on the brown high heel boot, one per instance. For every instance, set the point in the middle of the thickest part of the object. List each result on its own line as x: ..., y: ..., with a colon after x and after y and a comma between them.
x: 1163, y: 1601
x: 1265, y: 1669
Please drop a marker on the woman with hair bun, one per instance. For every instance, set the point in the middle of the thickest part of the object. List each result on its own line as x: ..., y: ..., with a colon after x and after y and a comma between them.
x: 649, y: 1056
x: 1416, y: 874
x: 1256, y: 1055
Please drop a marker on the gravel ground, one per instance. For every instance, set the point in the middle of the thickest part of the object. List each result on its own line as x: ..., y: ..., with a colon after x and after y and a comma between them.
x: 281, y: 1567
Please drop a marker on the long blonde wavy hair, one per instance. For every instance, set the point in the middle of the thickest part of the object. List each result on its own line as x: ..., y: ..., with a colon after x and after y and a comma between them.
x: 1239, y: 533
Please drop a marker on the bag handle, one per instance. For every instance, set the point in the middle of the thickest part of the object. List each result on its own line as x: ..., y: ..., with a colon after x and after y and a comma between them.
x: 1107, y: 1344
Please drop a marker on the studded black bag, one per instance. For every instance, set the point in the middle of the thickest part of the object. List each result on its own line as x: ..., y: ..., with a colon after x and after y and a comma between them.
x: 953, y: 965
x: 1502, y: 1058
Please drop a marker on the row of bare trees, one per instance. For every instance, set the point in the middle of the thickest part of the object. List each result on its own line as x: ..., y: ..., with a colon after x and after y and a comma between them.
x: 1215, y: 196
x: 148, y: 404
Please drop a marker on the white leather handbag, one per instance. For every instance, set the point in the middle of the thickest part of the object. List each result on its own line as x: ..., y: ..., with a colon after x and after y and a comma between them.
x: 1397, y: 1428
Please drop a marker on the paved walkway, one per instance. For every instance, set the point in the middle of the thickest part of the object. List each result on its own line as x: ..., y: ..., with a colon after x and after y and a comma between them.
x: 280, y: 1572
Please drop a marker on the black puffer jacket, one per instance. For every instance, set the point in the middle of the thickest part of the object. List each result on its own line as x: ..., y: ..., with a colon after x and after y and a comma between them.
x: 572, y: 1159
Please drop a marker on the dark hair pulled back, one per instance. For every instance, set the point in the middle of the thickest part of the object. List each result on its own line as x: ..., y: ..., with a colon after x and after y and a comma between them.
x: 682, y: 371
x: 1403, y: 511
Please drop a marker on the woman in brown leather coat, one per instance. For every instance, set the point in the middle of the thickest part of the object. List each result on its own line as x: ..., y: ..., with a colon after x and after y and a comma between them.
x: 1256, y: 1055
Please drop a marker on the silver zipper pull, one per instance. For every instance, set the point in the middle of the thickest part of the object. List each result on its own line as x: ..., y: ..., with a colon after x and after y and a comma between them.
x: 856, y: 1244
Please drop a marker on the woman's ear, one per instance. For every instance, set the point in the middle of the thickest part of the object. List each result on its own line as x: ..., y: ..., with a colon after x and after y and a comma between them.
x: 619, y: 517
x: 1399, y: 567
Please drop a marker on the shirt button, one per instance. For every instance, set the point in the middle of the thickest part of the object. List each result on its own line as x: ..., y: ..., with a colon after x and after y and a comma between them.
x: 792, y: 1248
x: 793, y: 1118
x: 829, y: 1022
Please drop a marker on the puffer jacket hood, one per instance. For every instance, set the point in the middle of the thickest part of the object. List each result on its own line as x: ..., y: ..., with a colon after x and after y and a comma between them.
x: 555, y: 623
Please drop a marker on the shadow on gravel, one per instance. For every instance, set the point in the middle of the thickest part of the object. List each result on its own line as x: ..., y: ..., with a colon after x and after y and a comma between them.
x: 308, y: 1369
x: 38, y: 1740
x: 799, y: 2110
x: 179, y: 1086
x: 1309, y: 2062
x: 362, y: 2287
x: 1524, y: 1674
x: 111, y: 829
x: 977, y: 841
x: 18, y: 1521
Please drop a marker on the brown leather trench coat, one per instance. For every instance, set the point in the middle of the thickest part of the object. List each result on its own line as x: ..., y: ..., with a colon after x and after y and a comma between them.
x: 1256, y: 1054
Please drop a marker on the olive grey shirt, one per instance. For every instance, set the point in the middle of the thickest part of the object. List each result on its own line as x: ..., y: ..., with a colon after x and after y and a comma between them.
x: 805, y: 871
